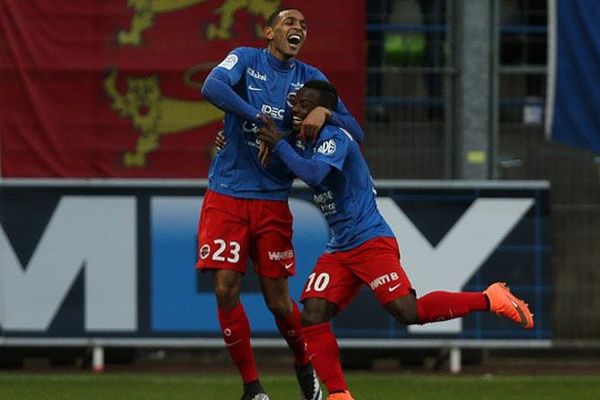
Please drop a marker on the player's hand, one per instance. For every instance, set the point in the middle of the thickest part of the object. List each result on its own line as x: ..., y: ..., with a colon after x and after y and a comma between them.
x: 268, y: 133
x: 313, y: 122
x: 220, y: 141
x: 264, y: 153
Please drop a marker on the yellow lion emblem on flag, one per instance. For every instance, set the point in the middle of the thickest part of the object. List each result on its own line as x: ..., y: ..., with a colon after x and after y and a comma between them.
x: 146, y: 10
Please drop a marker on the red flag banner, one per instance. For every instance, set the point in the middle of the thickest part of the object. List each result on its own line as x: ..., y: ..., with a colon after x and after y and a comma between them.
x: 95, y: 88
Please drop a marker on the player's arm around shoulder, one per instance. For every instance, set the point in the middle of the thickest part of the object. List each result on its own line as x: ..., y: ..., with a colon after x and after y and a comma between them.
x: 341, y: 116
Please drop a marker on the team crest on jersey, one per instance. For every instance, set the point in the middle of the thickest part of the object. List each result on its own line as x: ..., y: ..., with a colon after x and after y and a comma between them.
x: 327, y: 147
x: 229, y: 62
x: 291, y: 97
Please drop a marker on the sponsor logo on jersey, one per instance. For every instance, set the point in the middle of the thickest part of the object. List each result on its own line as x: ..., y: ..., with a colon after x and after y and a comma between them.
x: 281, y: 255
x: 204, y: 251
x: 256, y: 74
x: 328, y: 147
x: 249, y: 127
x: 229, y: 62
x: 325, y: 202
x: 274, y: 112
x: 383, y: 279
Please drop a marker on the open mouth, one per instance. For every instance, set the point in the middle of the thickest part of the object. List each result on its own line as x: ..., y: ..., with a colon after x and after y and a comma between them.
x: 294, y: 39
x: 297, y: 121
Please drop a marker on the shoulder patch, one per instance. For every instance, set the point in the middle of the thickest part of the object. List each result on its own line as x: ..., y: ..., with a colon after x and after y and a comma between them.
x: 229, y: 62
x: 328, y: 147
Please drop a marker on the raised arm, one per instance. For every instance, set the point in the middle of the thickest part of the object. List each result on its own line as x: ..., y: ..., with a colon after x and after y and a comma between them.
x: 218, y: 87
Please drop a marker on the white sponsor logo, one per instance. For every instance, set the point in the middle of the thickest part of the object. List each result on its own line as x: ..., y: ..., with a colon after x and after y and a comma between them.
x: 233, y: 343
x: 327, y: 147
x: 383, y: 279
x: 281, y: 255
x: 256, y: 74
x: 249, y: 127
x: 289, y: 265
x: 254, y: 88
x: 392, y: 288
x: 229, y: 62
x: 325, y: 202
x: 276, y: 113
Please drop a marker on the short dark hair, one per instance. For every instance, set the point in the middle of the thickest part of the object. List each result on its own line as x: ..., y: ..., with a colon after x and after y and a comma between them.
x: 273, y: 17
x: 328, y: 96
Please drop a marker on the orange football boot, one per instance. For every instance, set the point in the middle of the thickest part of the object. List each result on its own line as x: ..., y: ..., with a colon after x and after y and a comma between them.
x: 345, y: 395
x: 504, y: 303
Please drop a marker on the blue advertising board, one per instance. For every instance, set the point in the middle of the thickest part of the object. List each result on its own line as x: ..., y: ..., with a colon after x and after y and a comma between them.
x: 116, y: 259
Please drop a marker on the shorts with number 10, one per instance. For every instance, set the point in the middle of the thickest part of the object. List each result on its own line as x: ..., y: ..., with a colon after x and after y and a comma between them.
x: 338, y: 277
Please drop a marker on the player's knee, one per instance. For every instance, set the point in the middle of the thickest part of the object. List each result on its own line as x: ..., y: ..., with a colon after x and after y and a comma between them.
x: 226, y: 293
x: 313, y: 317
x: 408, y: 316
x: 404, y: 310
x: 279, y: 306
x: 314, y: 313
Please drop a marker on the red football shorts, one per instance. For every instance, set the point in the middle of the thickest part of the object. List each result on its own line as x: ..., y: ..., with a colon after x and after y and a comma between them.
x: 231, y: 229
x: 338, y: 277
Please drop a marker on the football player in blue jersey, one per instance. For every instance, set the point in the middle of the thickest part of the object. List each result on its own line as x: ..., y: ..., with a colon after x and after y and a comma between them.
x: 362, y: 249
x: 245, y: 211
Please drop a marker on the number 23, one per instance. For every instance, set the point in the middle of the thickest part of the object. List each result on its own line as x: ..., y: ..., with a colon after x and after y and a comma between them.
x: 234, y: 251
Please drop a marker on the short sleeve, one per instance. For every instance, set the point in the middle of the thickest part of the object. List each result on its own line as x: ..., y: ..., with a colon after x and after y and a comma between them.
x: 332, y: 147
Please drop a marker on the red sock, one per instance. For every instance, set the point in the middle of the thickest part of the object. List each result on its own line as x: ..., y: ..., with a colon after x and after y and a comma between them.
x: 325, y: 356
x: 291, y: 329
x: 441, y: 306
x: 236, y: 334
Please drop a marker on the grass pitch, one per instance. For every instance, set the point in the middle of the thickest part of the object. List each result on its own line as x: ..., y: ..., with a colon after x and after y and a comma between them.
x: 365, y: 386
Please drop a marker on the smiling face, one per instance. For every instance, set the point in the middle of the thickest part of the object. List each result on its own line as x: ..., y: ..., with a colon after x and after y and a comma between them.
x: 286, y: 35
x: 306, y: 100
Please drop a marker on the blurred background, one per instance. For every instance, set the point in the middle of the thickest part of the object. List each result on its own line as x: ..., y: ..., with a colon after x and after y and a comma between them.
x: 460, y: 100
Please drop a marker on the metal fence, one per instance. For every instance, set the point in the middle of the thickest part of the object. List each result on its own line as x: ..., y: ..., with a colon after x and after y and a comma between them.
x: 410, y: 129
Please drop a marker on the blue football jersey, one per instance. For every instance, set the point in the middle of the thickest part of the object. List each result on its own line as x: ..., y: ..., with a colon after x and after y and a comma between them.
x: 346, y: 196
x: 269, y: 85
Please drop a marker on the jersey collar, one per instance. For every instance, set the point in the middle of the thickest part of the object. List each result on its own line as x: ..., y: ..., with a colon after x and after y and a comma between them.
x: 278, y: 64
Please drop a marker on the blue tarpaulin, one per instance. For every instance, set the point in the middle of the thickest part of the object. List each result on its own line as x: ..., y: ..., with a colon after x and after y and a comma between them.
x: 573, y: 103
